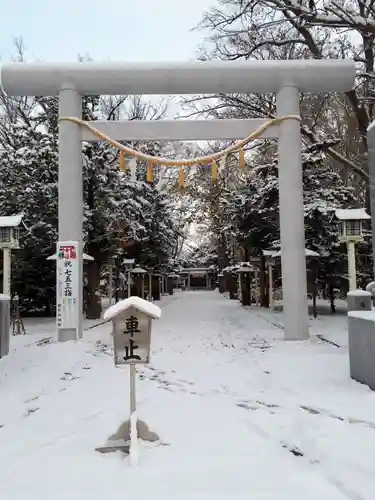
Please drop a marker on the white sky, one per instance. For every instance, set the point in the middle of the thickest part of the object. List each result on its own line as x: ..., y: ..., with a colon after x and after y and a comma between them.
x: 117, y: 30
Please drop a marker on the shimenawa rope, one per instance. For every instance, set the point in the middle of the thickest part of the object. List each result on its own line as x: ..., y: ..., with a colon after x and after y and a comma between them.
x: 181, y: 163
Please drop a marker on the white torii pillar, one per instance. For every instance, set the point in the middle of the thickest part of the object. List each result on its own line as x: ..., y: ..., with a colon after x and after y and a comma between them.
x: 70, y: 189
x: 285, y: 78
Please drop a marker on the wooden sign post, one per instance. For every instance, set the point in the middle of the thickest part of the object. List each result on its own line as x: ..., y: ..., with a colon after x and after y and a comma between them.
x: 132, y: 320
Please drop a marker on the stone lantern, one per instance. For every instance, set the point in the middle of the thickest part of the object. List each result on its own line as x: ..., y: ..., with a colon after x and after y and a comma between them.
x: 149, y: 283
x: 351, y: 232
x: 9, y: 240
x: 163, y: 280
x: 111, y: 266
x: 171, y: 282
x: 244, y: 283
x: 9, y: 232
x: 128, y: 266
x: 156, y: 285
x: 138, y: 287
x: 271, y: 256
x: 350, y: 225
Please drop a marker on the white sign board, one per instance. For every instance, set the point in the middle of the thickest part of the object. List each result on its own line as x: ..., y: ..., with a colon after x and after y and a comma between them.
x: 67, y: 286
x: 132, y: 337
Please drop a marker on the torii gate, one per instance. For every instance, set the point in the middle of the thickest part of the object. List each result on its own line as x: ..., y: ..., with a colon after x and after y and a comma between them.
x: 285, y: 78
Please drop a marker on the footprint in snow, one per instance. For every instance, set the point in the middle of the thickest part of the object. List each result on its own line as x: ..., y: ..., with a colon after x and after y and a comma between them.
x: 30, y: 411
x: 32, y: 399
x: 293, y: 449
x: 68, y: 376
x: 247, y: 406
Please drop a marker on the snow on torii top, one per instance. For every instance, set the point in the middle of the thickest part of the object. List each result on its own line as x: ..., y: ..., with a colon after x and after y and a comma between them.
x: 140, y: 304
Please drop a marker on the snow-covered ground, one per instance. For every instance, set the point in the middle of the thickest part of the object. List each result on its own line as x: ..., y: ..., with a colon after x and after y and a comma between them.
x: 333, y: 327
x: 241, y: 414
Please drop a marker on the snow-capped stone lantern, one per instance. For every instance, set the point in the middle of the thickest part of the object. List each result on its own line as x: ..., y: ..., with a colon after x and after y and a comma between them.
x: 9, y: 232
x: 163, y: 280
x: 150, y: 271
x: 138, y: 274
x: 350, y: 226
x: 128, y: 265
x: 111, y: 266
x: 171, y: 282
x: 9, y: 240
x: 271, y: 256
x: 351, y: 232
x: 244, y: 283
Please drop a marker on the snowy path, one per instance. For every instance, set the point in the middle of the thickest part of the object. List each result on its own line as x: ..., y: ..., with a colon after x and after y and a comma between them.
x: 244, y: 414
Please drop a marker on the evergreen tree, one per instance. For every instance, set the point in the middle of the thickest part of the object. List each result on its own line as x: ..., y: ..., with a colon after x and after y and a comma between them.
x: 255, y: 212
x: 118, y: 212
x: 29, y: 185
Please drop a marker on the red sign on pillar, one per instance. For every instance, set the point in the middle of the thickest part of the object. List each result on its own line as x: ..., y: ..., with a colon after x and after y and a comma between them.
x: 67, y: 252
x: 68, y: 301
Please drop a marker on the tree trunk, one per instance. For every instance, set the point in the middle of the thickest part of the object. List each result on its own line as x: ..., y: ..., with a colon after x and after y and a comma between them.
x: 221, y: 284
x: 94, y: 306
x: 263, y: 292
x: 232, y: 287
x: 331, y: 297
x: 47, y: 307
x: 315, y: 272
x: 170, y: 286
x: 155, y: 287
x: 117, y: 280
x: 222, y: 252
x: 245, y: 289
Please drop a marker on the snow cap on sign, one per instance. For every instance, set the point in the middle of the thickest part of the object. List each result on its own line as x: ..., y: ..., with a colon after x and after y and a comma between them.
x: 140, y: 304
x: 84, y: 256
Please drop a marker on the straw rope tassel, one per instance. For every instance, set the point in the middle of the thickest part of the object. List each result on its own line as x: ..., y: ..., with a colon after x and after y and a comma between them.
x: 149, y: 175
x: 122, y: 161
x: 214, y: 171
x: 241, y: 158
x: 181, y: 179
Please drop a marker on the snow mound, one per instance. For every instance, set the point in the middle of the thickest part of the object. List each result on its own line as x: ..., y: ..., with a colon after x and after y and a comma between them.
x: 359, y: 293
x: 368, y: 315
